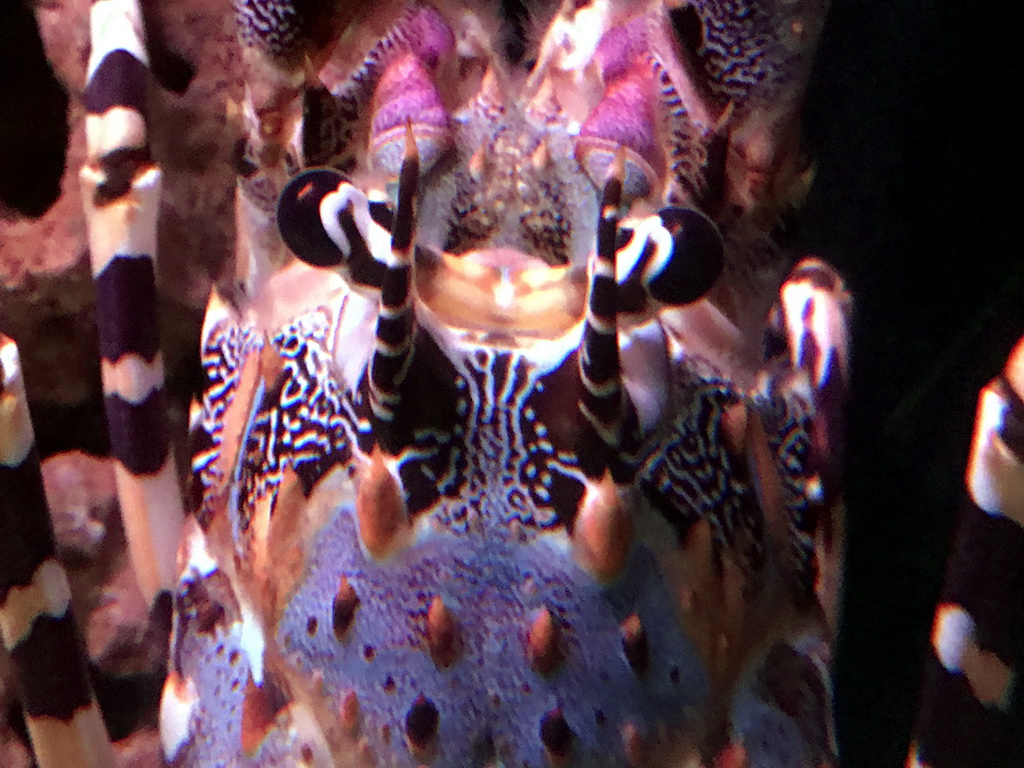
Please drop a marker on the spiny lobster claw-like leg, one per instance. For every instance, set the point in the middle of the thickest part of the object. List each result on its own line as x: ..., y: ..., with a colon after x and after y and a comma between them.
x: 812, y: 317
x: 121, y: 188
x: 972, y: 699
x: 815, y: 313
x: 781, y: 710
x: 748, y: 527
x: 36, y: 623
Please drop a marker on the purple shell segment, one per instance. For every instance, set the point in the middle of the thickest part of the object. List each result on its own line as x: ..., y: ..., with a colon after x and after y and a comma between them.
x: 428, y: 36
x: 406, y: 93
x: 621, y: 47
x: 624, y: 117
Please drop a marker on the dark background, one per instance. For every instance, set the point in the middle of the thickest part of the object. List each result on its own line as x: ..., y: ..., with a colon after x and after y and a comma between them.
x: 917, y: 202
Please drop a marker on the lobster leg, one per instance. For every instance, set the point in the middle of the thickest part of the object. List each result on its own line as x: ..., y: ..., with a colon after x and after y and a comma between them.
x: 782, y: 707
x: 972, y: 702
x: 36, y: 623
x: 121, y: 189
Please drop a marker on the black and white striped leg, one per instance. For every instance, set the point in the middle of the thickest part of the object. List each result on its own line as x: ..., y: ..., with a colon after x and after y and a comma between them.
x: 972, y: 707
x: 121, y: 188
x: 393, y: 350
x: 36, y: 622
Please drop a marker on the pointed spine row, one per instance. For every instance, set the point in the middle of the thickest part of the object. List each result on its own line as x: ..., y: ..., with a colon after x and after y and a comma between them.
x: 36, y: 622
x: 973, y: 699
x: 547, y: 650
x: 121, y: 187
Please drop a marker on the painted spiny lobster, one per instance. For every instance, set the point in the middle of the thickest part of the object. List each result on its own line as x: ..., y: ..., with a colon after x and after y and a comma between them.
x: 507, y: 467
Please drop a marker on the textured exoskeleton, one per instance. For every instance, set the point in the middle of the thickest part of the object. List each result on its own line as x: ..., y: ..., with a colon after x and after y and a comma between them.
x: 522, y: 431
x: 483, y: 479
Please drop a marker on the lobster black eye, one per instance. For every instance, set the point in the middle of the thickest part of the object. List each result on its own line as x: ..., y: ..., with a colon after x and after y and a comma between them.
x: 694, y: 263
x: 299, y: 220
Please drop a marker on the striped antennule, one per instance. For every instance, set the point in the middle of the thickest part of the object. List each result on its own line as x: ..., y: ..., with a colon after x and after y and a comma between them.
x: 393, y: 352
x: 36, y: 623
x: 972, y: 703
x: 121, y: 188
x: 603, y: 404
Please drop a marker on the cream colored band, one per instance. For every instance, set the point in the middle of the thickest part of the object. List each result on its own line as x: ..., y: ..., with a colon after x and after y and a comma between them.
x: 48, y: 594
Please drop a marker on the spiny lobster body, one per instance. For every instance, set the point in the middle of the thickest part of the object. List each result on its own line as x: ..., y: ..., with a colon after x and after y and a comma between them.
x: 468, y: 498
x: 532, y: 456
